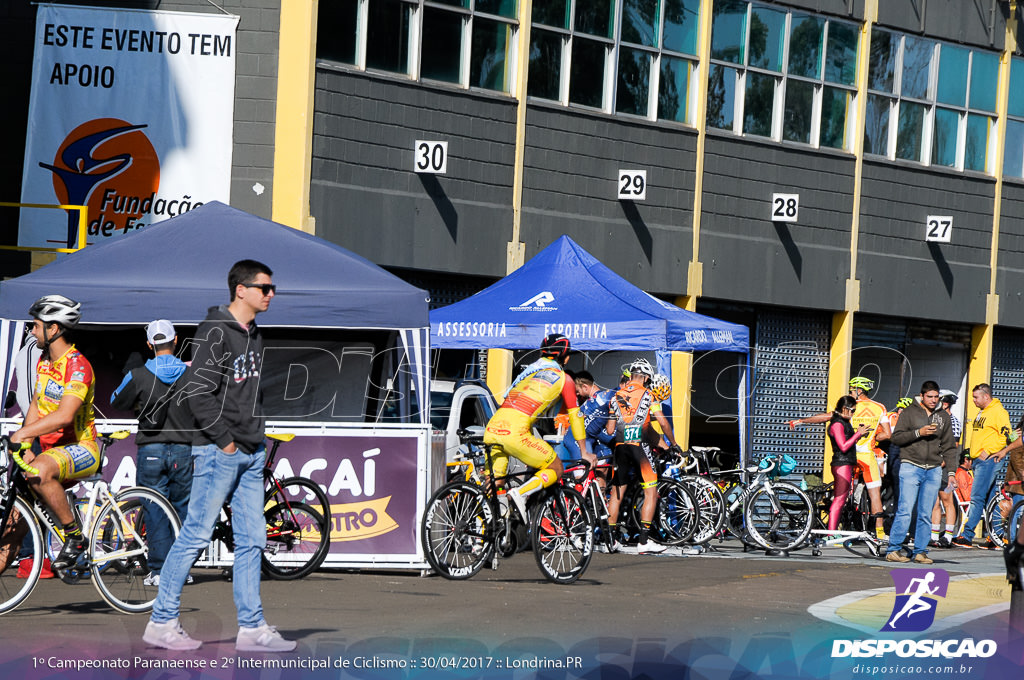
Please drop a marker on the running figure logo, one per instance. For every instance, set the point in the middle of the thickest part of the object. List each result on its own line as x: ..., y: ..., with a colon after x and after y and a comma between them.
x: 917, y: 593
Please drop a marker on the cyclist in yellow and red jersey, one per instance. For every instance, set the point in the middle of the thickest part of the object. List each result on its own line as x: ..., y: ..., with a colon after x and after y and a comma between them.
x: 536, y: 390
x: 61, y: 416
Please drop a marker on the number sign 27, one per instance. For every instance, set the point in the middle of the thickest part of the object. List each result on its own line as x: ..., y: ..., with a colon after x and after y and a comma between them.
x: 940, y: 228
x: 430, y: 157
x: 632, y: 185
x: 785, y: 207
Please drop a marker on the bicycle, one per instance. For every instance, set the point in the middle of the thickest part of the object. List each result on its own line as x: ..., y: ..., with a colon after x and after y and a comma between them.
x: 117, y: 548
x: 776, y: 515
x: 298, y: 531
x: 687, y: 469
x: 584, y: 478
x: 466, y: 524
x: 861, y: 541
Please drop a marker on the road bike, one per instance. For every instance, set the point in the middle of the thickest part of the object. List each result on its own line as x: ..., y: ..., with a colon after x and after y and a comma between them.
x: 585, y: 480
x: 692, y: 470
x: 468, y: 524
x: 116, y: 526
x: 298, y: 517
x: 765, y: 511
x: 855, y: 532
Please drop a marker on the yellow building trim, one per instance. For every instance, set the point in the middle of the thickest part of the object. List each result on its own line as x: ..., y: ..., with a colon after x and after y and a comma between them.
x: 838, y: 374
x: 682, y: 388
x: 516, y: 250
x: 980, y: 368
x: 695, y: 273
x: 499, y: 371
x: 293, y: 123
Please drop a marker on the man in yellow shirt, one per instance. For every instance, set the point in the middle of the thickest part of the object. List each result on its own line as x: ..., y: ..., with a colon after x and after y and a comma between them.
x: 988, y: 436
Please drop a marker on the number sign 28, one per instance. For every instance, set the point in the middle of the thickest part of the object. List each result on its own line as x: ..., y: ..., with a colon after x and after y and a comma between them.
x: 632, y: 185
x: 430, y: 157
x: 940, y: 228
x: 785, y: 207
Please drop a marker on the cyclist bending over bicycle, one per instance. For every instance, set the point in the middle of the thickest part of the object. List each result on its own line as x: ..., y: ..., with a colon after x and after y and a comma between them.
x: 540, y: 386
x: 630, y: 420
x: 61, y: 416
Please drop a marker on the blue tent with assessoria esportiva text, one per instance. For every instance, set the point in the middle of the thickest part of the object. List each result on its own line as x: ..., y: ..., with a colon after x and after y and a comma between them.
x: 564, y: 289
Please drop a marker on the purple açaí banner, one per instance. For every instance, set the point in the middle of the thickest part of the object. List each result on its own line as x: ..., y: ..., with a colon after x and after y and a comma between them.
x: 372, y: 478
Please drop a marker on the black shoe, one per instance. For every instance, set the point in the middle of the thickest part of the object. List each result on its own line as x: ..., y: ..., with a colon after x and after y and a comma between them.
x: 933, y: 544
x: 69, y: 554
x: 944, y: 542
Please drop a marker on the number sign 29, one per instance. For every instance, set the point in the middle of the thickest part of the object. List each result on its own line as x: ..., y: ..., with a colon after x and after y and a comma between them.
x: 785, y: 207
x: 632, y: 185
x: 939, y: 229
x: 430, y: 157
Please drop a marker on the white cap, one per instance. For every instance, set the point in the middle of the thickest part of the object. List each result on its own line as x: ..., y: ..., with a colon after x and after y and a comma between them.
x: 160, y: 331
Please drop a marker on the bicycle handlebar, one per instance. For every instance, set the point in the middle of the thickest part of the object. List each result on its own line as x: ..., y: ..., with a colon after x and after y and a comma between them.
x: 16, y: 450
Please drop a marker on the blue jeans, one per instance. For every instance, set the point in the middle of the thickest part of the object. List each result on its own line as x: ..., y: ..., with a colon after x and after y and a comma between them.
x: 166, y: 468
x: 920, y: 488
x: 216, y: 476
x: 982, y: 490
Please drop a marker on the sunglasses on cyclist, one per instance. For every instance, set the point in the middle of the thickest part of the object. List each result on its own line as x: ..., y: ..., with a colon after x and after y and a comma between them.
x: 265, y: 288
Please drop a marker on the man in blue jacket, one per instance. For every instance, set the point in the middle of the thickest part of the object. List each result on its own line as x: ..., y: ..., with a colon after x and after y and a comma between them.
x: 164, y: 436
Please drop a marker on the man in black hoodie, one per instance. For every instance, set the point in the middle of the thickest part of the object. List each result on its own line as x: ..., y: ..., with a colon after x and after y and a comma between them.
x: 228, y: 456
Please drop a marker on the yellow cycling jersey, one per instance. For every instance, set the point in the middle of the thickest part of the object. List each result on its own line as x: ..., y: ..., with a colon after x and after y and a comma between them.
x: 868, y: 412
x: 70, y: 374
x: 538, y: 390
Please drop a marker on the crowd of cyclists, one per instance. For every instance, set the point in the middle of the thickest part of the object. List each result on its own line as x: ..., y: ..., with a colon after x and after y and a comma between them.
x: 625, y: 429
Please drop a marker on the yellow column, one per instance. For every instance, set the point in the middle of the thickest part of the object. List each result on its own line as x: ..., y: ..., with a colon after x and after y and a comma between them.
x: 293, y: 126
x: 980, y: 368
x: 499, y: 371
x: 682, y: 386
x: 695, y: 271
x: 515, y: 253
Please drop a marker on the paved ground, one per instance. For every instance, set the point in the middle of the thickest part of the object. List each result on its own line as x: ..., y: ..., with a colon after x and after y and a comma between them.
x: 626, y: 611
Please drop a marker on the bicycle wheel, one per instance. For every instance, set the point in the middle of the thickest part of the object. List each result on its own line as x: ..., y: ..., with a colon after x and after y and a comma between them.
x: 710, y: 503
x: 779, y: 516
x: 676, y: 516
x: 304, y: 491
x: 119, y: 548
x: 563, y: 534
x: 458, y: 530
x: 14, y: 590
x: 599, y: 512
x: 996, y: 525
x: 54, y: 543
x: 297, y: 540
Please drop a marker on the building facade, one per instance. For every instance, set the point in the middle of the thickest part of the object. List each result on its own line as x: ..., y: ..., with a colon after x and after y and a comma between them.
x: 845, y: 177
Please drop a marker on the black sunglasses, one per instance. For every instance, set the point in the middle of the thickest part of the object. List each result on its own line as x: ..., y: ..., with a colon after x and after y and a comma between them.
x: 265, y: 288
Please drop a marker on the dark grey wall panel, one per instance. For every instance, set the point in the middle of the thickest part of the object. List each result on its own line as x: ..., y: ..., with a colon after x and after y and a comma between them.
x: 893, y: 257
x: 365, y: 195
x: 966, y: 21
x: 748, y: 257
x: 570, y: 187
x: 1010, y: 266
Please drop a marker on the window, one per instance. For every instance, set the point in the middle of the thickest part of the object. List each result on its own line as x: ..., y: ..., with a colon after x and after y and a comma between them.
x: 575, y: 58
x: 1013, y: 160
x: 931, y: 102
x: 470, y: 43
x: 796, y: 73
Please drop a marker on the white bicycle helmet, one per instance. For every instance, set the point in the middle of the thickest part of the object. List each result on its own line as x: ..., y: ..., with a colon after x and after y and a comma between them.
x: 642, y: 366
x: 57, y: 309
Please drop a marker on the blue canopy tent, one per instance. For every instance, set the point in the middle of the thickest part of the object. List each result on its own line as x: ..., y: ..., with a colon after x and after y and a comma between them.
x: 564, y: 289
x: 178, y: 268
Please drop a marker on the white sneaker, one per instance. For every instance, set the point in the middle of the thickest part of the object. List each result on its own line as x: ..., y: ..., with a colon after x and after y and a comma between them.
x: 262, y: 639
x: 649, y: 547
x: 602, y: 548
x: 517, y: 498
x: 169, y: 635
x: 154, y: 580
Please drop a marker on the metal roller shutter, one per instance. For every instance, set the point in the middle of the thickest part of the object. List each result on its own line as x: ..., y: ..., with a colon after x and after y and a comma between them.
x: 790, y: 378
x: 1008, y: 371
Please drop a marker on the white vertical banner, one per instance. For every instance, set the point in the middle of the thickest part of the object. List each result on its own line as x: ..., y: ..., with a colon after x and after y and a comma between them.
x: 130, y: 114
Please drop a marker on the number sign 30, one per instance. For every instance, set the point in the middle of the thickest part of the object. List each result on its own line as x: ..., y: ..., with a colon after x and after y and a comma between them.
x: 785, y: 207
x: 430, y: 157
x: 939, y: 229
x: 632, y: 185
